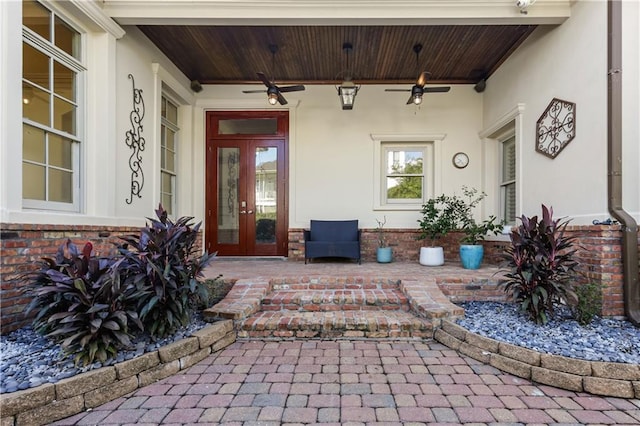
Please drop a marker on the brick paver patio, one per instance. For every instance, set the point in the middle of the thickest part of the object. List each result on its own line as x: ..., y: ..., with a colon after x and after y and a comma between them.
x: 391, y: 382
x: 350, y: 381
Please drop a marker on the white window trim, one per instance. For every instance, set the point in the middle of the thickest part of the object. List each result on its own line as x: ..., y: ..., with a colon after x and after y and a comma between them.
x: 77, y: 65
x: 510, y: 123
x: 433, y: 170
x: 168, y: 86
x: 176, y: 149
x: 502, y: 183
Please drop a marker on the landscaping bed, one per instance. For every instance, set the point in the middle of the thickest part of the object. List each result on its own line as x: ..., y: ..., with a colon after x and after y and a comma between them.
x: 53, y: 401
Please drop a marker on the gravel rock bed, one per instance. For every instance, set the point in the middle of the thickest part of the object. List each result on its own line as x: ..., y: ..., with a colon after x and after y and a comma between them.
x: 28, y: 359
x: 604, y: 339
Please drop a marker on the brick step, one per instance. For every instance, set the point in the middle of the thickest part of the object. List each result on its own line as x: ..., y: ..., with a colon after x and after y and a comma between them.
x: 333, y: 300
x: 335, y: 324
x: 335, y: 283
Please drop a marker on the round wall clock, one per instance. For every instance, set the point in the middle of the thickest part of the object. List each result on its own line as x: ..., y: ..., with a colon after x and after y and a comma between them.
x: 460, y: 160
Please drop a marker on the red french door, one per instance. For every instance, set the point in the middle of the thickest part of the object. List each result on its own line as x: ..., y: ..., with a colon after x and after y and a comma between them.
x: 246, y: 185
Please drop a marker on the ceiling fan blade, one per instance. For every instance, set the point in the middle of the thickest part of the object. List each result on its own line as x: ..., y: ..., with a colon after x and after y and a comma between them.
x: 410, y: 101
x: 291, y: 88
x: 397, y: 90
x: 281, y: 99
x: 264, y: 79
x: 422, y: 78
x: 253, y: 91
x: 441, y: 89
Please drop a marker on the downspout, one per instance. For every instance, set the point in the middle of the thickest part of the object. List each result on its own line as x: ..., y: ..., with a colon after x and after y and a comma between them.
x: 614, y: 162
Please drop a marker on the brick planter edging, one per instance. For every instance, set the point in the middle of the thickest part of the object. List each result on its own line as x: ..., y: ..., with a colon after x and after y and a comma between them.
x: 595, y: 377
x: 54, y: 401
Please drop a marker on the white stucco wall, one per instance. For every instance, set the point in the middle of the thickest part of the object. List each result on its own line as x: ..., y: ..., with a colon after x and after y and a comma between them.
x: 331, y: 151
x: 96, y: 172
x: 150, y: 69
x: 569, y: 62
x: 104, y: 172
x: 331, y: 167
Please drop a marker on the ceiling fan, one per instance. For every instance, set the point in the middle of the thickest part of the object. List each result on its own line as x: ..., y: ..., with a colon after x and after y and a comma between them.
x: 418, y: 89
x: 274, y: 93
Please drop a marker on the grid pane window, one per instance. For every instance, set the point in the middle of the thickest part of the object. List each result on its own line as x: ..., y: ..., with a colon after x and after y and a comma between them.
x: 168, y: 144
x: 508, y: 180
x: 37, y: 18
x: 66, y: 38
x: 51, y: 144
x: 404, y: 173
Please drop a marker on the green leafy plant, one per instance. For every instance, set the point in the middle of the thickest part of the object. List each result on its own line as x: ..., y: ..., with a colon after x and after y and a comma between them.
x: 539, y: 265
x: 589, y: 302
x: 162, y: 266
x: 382, y: 239
x: 474, y: 231
x: 439, y: 217
x: 81, y: 303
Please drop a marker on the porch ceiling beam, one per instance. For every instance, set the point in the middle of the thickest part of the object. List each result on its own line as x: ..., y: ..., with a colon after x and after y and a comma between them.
x: 335, y: 12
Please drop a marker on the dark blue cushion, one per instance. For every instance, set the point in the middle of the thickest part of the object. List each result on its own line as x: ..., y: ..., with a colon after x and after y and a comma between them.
x: 334, y: 230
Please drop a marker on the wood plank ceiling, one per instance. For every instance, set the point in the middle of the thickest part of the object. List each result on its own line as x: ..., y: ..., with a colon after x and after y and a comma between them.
x: 453, y: 54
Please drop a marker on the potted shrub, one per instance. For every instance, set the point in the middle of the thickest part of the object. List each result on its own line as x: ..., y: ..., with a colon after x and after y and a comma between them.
x: 471, y: 249
x: 384, y: 253
x: 439, y: 217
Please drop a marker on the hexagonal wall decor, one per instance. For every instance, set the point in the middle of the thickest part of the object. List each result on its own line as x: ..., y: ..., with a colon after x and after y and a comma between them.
x: 556, y: 127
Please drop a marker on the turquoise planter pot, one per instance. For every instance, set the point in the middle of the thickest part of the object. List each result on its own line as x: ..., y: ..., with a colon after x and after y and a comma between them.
x: 471, y: 256
x: 384, y: 254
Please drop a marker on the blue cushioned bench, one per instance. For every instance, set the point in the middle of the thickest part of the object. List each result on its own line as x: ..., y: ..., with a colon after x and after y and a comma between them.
x: 332, y: 238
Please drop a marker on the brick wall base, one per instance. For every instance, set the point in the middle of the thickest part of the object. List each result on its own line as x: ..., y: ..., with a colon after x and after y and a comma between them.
x: 599, y: 253
x: 22, y: 246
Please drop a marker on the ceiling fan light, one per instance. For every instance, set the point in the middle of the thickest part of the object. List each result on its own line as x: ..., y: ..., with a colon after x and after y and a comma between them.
x: 272, y: 96
x: 417, y: 98
x: 347, y: 92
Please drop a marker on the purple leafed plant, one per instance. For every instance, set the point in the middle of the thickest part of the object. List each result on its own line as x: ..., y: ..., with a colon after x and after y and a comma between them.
x: 539, y: 266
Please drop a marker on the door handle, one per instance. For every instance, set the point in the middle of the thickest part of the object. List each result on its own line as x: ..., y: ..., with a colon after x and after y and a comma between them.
x: 243, y: 212
x: 250, y: 212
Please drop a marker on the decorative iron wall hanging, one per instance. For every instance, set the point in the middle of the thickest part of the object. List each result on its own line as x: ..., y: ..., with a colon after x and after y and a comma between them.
x: 135, y: 141
x: 556, y: 127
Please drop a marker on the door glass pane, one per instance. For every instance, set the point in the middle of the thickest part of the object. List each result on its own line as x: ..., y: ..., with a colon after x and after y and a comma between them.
x: 228, y: 214
x: 266, y: 192
x: 249, y: 126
